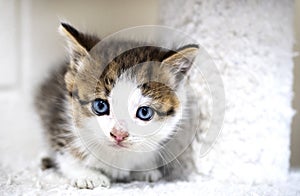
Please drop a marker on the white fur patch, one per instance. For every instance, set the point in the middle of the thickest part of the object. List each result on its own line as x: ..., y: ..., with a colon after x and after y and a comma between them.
x: 79, y: 175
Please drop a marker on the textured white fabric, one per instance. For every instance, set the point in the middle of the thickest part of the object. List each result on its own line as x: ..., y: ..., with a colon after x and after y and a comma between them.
x: 31, y: 181
x: 251, y: 44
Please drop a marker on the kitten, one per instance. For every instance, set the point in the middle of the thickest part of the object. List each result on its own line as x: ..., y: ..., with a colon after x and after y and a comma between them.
x: 118, y: 118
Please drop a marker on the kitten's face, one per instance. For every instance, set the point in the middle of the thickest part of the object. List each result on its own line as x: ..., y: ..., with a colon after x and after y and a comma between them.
x: 134, y: 109
x: 137, y: 114
x: 134, y: 102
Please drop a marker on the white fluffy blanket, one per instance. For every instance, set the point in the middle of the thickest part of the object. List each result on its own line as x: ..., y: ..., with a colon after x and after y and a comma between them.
x: 32, y: 181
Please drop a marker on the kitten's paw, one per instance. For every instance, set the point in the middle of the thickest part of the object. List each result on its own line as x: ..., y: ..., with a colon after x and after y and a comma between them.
x: 150, y: 176
x: 91, y: 182
x: 153, y: 176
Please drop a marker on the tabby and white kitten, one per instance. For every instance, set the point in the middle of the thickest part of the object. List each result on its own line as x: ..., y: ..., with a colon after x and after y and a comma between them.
x: 118, y: 118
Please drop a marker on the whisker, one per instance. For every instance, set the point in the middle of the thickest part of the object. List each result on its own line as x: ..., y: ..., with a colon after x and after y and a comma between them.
x: 169, y: 154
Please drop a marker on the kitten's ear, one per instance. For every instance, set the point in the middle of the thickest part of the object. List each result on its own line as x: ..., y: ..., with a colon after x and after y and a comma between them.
x: 79, y: 43
x: 183, y: 58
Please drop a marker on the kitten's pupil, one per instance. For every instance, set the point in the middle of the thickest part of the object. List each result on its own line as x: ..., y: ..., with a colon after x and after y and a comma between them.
x: 145, y: 113
x: 100, y: 107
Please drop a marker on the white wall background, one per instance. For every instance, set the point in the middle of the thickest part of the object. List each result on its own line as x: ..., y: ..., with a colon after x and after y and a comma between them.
x: 30, y: 45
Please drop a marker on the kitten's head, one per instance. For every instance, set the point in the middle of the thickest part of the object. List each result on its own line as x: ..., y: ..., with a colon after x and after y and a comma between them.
x: 133, y: 100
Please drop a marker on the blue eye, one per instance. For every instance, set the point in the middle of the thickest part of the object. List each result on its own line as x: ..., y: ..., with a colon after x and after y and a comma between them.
x: 100, y: 107
x: 145, y: 113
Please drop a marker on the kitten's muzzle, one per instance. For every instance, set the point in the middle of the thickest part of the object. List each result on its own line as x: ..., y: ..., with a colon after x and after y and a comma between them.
x: 119, y: 135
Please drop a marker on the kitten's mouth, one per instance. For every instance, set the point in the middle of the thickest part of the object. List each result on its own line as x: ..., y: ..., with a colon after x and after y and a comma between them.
x: 118, y: 145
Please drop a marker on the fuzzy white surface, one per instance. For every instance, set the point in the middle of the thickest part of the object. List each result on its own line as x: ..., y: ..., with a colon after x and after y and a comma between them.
x: 251, y: 43
x: 32, y: 181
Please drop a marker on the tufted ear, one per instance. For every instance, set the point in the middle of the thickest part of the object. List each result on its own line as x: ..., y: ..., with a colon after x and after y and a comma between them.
x: 182, y: 59
x: 79, y: 44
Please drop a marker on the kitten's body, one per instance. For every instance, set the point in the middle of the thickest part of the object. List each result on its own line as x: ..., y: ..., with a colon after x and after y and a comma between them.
x: 91, y: 158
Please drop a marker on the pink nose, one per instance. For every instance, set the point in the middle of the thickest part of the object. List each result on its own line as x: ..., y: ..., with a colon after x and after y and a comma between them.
x: 118, y: 135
